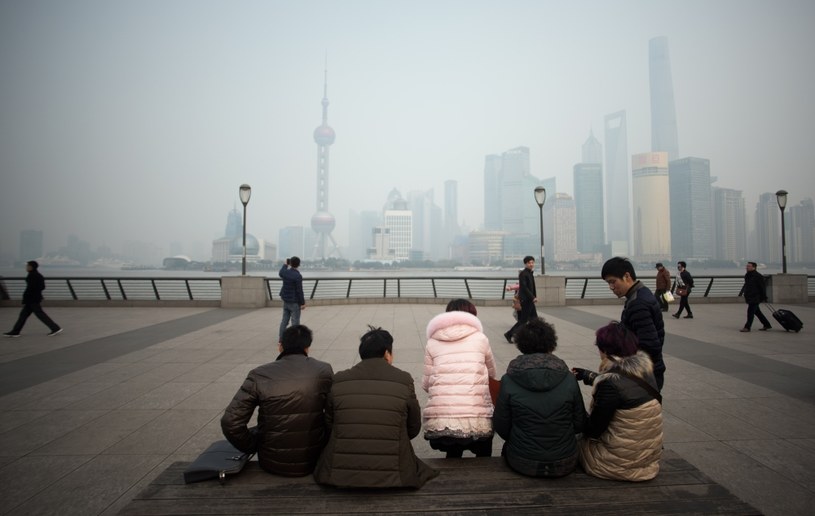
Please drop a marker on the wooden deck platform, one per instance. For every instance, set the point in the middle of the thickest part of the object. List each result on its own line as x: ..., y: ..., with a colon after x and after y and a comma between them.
x: 465, y: 486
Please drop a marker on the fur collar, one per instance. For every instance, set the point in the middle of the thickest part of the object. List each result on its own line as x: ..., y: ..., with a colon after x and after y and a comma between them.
x: 446, y: 320
x: 635, y: 365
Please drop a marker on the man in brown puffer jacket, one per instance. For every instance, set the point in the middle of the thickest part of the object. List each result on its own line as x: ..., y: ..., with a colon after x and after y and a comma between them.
x: 373, y: 413
x: 290, y: 394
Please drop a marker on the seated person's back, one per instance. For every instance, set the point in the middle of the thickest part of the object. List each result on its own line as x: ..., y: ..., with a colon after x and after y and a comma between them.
x: 539, y: 410
x: 290, y: 394
x: 373, y: 414
x: 623, y: 438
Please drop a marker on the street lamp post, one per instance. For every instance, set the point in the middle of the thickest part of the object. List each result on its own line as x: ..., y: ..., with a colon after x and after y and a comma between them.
x: 540, y: 198
x: 245, y: 192
x: 781, y: 197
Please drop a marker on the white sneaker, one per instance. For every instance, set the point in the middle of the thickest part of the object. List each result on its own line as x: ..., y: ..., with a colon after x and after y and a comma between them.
x: 55, y: 332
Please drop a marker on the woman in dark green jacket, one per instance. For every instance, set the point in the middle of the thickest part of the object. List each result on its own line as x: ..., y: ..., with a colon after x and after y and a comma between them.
x: 539, y: 408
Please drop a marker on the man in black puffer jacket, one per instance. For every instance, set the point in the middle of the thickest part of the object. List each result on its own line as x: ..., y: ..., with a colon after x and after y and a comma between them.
x: 641, y: 314
x: 290, y: 394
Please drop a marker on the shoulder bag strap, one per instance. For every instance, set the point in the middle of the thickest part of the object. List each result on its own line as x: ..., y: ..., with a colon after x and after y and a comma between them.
x: 645, y: 385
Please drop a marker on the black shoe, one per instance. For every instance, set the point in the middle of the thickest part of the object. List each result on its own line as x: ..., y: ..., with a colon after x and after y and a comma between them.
x: 676, y: 316
x: 508, y: 336
x: 688, y: 316
x: 11, y: 335
x: 765, y: 328
x: 744, y: 330
x: 55, y: 332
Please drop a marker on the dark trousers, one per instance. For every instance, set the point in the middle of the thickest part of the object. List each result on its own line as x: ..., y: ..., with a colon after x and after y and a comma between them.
x: 662, y: 303
x: 683, y: 305
x: 455, y: 447
x: 527, y: 312
x: 36, y: 309
x: 660, y: 378
x: 754, y: 310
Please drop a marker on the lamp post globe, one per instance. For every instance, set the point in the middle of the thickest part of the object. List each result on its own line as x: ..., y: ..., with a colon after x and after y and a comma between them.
x: 540, y: 199
x: 781, y: 197
x: 245, y: 192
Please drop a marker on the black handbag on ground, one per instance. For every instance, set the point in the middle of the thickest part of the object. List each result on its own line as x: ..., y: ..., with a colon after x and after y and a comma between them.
x: 217, y: 461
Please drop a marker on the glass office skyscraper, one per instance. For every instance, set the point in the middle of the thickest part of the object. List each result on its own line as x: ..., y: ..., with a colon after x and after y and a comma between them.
x: 618, y: 211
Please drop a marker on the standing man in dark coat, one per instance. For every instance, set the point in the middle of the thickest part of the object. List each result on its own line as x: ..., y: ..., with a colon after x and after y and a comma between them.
x: 291, y: 293
x: 32, y: 297
x: 373, y: 414
x: 641, y: 313
x: 663, y: 286
x: 755, y: 293
x: 527, y: 295
x: 290, y: 394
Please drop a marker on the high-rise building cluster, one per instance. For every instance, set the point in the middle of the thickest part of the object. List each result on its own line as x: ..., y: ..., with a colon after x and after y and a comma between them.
x: 650, y: 206
x: 657, y: 206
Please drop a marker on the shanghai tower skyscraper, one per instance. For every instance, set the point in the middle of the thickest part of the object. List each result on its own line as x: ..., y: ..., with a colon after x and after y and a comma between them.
x: 663, y: 111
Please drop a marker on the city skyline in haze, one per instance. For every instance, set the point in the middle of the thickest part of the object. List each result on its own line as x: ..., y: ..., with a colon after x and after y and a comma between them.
x: 138, y: 122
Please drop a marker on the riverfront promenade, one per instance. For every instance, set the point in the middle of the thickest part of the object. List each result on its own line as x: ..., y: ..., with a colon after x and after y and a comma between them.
x: 90, y: 417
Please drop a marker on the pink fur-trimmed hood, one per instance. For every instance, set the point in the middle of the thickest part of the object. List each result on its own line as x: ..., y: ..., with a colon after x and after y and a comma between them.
x: 452, y: 326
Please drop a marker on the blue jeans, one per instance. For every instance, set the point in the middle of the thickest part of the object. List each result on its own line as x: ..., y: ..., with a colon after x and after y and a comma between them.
x: 290, y: 311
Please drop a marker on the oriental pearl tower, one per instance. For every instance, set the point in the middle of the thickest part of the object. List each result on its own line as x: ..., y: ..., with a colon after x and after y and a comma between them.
x: 322, y: 222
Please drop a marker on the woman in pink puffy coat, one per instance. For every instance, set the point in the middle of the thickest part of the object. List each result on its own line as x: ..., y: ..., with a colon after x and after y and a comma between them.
x: 458, y: 363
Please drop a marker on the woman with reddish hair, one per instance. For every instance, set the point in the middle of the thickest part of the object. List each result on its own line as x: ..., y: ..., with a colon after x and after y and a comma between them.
x: 623, y: 438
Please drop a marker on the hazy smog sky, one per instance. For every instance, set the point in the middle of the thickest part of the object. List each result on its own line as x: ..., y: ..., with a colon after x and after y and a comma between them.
x: 138, y: 120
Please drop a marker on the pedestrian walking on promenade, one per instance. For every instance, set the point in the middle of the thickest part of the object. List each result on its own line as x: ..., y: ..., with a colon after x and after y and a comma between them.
x: 641, y: 312
x: 32, y: 297
x: 527, y: 295
x: 755, y: 293
x: 684, y: 286
x: 663, y: 286
x: 292, y: 294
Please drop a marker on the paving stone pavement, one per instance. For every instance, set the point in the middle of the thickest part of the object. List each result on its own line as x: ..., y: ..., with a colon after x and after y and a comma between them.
x: 91, y: 416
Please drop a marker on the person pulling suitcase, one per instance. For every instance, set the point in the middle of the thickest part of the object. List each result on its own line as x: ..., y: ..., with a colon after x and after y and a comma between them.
x: 755, y: 293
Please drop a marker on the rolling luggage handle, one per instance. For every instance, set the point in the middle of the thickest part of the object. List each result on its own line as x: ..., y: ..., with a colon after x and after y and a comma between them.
x: 788, y: 320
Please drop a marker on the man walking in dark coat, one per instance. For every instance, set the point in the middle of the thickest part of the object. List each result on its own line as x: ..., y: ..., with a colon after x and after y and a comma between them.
x: 32, y: 297
x: 755, y: 293
x: 684, y: 286
x: 527, y: 295
x: 641, y: 313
